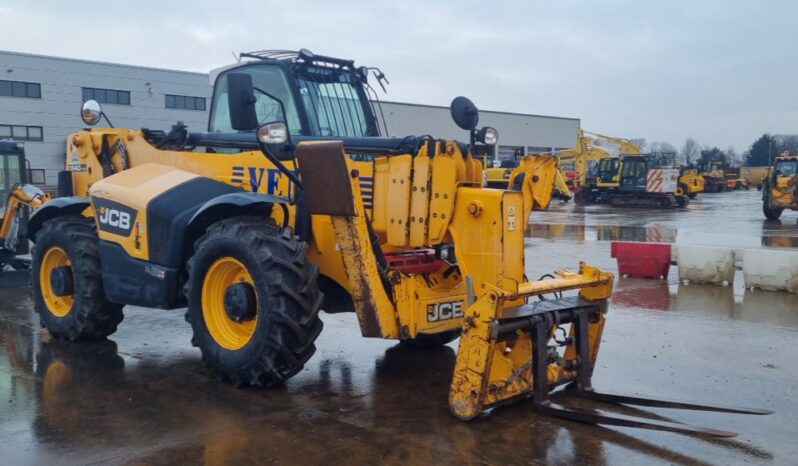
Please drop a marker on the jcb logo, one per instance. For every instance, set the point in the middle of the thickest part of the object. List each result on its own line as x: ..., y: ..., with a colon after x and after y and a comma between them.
x: 444, y: 311
x: 114, y: 217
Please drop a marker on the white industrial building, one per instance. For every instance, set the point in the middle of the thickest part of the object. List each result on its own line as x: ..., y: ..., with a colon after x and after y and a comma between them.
x: 40, y: 99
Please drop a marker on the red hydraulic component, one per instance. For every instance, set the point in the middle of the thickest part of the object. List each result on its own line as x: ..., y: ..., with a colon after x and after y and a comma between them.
x: 414, y: 261
x: 642, y: 260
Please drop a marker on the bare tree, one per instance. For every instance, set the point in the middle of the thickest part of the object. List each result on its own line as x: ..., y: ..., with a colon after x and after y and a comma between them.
x: 661, y: 147
x: 691, y: 150
x: 640, y: 142
x: 734, y: 158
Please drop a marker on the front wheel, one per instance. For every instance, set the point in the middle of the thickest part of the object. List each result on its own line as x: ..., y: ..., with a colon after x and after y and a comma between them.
x: 771, y: 213
x: 68, y: 284
x: 253, y: 303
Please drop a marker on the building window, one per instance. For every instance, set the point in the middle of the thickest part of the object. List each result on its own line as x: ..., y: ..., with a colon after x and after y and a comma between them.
x: 20, y: 89
x: 106, y: 96
x: 21, y: 133
x: 185, y: 102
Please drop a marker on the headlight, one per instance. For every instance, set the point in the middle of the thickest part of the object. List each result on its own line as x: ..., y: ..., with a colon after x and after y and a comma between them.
x: 273, y: 133
x: 488, y: 135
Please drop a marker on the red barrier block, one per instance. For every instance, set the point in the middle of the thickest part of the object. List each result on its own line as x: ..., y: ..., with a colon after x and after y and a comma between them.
x: 642, y: 260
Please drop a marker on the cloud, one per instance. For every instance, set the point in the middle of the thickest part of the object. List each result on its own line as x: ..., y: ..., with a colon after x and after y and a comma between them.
x: 718, y: 71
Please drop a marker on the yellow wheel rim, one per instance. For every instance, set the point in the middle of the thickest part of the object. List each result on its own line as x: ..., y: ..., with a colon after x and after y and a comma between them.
x: 225, y: 331
x: 58, y: 305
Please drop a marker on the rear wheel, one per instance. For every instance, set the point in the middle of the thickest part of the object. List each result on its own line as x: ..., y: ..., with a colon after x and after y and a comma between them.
x: 682, y: 201
x: 253, y: 302
x: 771, y: 214
x: 68, y: 284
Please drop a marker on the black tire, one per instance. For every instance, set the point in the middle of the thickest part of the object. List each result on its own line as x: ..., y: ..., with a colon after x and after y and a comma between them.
x: 91, y: 316
x: 432, y: 340
x: 682, y: 201
x: 288, y: 301
x: 771, y: 214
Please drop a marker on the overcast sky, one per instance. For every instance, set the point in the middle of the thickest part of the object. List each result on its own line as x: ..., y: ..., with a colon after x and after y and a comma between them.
x: 722, y: 72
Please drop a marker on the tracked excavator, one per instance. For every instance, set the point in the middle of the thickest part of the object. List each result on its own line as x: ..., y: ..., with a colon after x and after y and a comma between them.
x: 292, y: 191
x: 640, y: 181
x: 19, y: 199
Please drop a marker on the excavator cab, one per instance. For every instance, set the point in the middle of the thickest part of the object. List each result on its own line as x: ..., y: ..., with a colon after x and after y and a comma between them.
x: 12, y: 164
x: 608, y: 170
x: 633, y: 173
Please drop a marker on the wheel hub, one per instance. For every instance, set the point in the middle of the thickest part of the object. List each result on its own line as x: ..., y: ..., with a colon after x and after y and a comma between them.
x: 62, y: 281
x: 240, y: 302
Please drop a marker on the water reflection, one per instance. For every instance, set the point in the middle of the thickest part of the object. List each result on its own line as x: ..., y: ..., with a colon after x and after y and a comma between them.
x: 658, y: 234
x: 779, y: 234
x: 777, y: 308
x: 74, y: 385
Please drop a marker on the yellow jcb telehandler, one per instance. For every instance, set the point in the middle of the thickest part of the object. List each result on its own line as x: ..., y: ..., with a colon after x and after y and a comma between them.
x: 292, y: 191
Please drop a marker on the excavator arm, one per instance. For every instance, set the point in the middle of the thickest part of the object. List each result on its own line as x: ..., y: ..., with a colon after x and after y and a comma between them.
x: 22, y: 196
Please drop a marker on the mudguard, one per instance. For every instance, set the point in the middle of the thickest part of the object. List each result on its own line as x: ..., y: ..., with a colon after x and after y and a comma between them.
x: 55, y: 208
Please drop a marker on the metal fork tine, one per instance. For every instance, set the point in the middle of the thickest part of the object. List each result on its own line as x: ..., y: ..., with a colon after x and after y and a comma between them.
x: 666, y: 403
x: 560, y: 411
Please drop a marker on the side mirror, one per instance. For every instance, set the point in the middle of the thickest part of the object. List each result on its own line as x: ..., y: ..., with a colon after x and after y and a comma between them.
x: 241, y: 100
x: 91, y: 112
x: 464, y: 113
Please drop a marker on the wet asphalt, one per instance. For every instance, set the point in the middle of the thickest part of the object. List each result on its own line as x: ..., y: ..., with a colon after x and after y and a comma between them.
x: 143, y: 397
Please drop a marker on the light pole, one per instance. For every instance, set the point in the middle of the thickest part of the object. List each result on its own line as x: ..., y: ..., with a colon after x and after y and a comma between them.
x: 770, y: 151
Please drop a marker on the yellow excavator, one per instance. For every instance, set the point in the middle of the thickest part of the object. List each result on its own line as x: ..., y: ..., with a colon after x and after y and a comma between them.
x: 247, y: 223
x: 590, y: 147
x: 19, y: 199
x: 639, y: 180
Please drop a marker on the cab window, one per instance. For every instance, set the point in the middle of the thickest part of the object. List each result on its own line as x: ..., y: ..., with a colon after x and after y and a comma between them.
x: 270, y: 79
x: 787, y: 168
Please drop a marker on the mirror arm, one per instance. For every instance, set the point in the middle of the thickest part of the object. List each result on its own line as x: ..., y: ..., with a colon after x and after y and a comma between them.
x: 280, y: 166
x: 291, y: 176
x: 111, y: 125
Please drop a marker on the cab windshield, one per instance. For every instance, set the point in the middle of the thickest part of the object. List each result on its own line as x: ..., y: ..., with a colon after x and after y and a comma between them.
x: 787, y: 167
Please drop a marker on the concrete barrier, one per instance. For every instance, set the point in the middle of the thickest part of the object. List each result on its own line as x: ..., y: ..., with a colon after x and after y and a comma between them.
x: 766, y: 269
x: 771, y: 270
x: 704, y: 264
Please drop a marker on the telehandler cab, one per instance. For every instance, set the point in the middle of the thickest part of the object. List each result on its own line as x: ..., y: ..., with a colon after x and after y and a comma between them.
x: 291, y: 190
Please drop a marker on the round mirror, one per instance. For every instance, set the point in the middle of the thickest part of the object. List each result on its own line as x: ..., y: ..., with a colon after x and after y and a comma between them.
x: 91, y: 112
x: 464, y: 113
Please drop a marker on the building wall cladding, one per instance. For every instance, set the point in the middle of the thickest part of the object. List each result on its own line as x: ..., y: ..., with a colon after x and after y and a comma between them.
x: 515, y: 129
x: 63, y: 79
x: 58, y: 109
